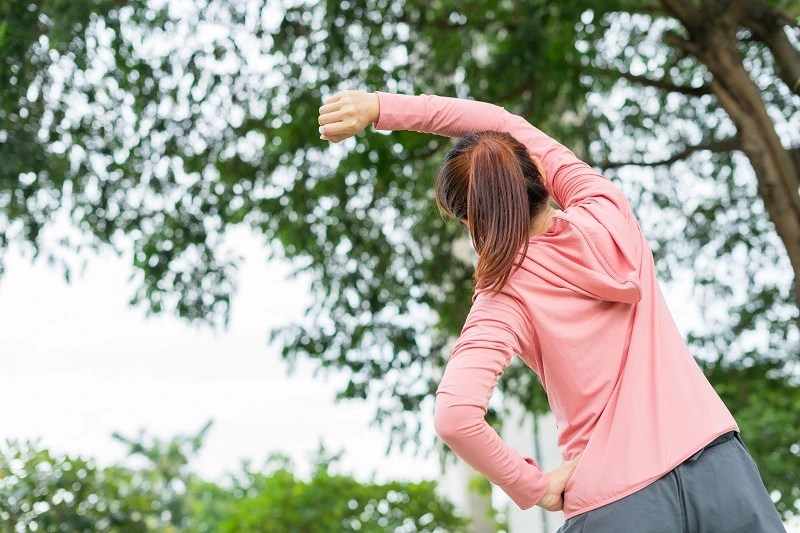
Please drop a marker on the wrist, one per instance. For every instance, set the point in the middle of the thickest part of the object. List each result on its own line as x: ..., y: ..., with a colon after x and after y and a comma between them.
x: 374, y: 109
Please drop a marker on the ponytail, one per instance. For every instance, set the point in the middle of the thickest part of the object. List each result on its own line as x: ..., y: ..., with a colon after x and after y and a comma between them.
x: 498, y: 211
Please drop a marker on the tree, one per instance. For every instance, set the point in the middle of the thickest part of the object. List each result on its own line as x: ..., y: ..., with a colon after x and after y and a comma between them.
x: 275, y: 499
x: 157, y: 129
x: 41, y: 491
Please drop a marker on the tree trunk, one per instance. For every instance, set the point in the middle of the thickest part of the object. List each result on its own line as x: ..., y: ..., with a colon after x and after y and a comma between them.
x: 712, y: 39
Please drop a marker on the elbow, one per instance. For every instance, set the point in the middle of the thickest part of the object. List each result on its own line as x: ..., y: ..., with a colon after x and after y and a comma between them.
x: 443, y: 424
x: 454, y: 422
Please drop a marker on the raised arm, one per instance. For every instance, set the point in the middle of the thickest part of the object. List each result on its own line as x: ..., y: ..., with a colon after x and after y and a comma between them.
x: 569, y: 180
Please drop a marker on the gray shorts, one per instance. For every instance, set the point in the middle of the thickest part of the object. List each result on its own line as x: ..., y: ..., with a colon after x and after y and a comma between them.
x: 717, y: 490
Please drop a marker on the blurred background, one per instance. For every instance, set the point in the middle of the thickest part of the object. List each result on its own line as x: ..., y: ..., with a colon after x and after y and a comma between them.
x: 211, y: 320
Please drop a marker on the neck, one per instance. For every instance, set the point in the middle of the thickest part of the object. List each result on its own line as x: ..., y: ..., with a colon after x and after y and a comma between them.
x: 541, y: 222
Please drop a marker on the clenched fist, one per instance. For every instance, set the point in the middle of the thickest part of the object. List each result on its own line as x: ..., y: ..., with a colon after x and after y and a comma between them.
x: 347, y: 113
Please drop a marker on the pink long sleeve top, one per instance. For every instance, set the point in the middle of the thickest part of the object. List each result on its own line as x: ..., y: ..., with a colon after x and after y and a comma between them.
x: 586, y: 314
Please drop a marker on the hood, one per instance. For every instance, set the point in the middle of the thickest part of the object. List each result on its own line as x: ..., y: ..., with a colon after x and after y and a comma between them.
x: 600, y: 260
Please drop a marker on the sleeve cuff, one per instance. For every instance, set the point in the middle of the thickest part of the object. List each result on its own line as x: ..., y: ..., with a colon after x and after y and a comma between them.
x: 529, y: 487
x: 399, y: 112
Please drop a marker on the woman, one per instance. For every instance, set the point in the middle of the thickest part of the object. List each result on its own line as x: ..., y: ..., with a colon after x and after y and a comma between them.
x: 648, y: 445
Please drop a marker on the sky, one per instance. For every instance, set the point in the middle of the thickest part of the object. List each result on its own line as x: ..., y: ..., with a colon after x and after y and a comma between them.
x: 81, y: 363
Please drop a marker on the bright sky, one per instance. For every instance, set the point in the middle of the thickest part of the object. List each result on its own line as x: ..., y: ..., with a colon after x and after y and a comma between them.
x: 80, y: 363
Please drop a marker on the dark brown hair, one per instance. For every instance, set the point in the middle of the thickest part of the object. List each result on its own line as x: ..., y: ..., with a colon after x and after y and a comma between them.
x: 489, y: 179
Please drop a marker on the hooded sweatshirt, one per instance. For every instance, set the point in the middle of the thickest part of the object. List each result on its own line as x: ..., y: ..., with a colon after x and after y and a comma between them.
x: 586, y: 314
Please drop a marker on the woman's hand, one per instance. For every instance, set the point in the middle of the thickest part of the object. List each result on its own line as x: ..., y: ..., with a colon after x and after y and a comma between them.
x: 553, y: 499
x: 347, y: 113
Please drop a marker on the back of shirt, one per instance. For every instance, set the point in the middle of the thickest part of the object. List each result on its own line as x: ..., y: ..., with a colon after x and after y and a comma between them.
x: 620, y: 379
x: 585, y: 312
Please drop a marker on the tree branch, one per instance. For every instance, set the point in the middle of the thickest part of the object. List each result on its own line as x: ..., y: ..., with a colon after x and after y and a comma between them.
x: 682, y: 10
x: 652, y: 10
x: 767, y: 25
x: 763, y: 12
x: 659, y: 84
x: 724, y: 145
x: 795, y: 153
x: 734, y: 9
x: 670, y: 37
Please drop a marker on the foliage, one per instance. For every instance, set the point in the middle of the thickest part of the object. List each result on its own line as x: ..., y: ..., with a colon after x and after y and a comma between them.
x: 40, y: 491
x: 327, y: 502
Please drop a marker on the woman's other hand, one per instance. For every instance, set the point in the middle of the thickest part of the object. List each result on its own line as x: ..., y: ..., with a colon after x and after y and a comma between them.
x: 553, y: 499
x: 347, y: 113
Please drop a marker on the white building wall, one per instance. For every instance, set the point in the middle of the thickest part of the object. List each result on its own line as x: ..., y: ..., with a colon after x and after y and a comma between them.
x: 518, y: 432
x: 454, y: 485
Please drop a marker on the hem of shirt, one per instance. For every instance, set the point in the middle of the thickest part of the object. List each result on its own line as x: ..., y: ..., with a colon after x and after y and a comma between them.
x: 643, y: 484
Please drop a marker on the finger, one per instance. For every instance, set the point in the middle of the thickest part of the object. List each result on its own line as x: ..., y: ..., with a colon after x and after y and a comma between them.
x: 332, y: 139
x: 329, y: 108
x: 337, y: 129
x: 335, y: 98
x: 330, y: 118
